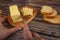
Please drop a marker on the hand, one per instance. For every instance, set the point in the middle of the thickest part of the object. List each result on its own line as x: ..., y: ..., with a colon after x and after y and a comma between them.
x: 4, y: 32
x: 30, y: 36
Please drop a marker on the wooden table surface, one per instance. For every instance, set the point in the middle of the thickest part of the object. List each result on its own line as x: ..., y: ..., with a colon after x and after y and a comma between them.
x: 46, y: 30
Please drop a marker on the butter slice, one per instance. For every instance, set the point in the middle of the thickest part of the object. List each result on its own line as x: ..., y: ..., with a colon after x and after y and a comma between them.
x: 27, y: 11
x: 15, y: 14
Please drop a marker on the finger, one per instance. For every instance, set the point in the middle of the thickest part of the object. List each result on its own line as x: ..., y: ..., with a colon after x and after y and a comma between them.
x: 37, y: 36
x: 0, y: 12
x: 27, y: 33
x: 2, y: 18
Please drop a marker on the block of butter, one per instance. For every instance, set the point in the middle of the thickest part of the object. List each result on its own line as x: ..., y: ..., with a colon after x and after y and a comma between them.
x: 15, y: 14
x: 27, y: 11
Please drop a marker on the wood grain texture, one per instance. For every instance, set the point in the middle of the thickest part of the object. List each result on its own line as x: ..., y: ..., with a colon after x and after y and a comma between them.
x: 37, y: 25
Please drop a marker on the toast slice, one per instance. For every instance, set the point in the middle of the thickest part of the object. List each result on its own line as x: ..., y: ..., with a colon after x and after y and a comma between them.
x: 55, y: 20
x: 52, y: 15
x: 46, y: 10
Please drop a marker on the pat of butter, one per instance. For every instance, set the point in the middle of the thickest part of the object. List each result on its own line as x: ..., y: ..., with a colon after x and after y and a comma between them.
x: 15, y: 14
x: 27, y: 11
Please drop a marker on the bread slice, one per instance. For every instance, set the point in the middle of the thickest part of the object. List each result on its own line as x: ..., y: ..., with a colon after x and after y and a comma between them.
x: 55, y: 20
x: 52, y: 15
x: 46, y: 10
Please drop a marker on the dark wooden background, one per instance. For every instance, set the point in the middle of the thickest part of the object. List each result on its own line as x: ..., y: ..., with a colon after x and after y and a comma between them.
x: 46, y: 30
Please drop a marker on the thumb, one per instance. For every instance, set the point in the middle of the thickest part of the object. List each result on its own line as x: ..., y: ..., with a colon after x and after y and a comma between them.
x: 37, y: 36
x: 14, y: 29
x: 27, y: 33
